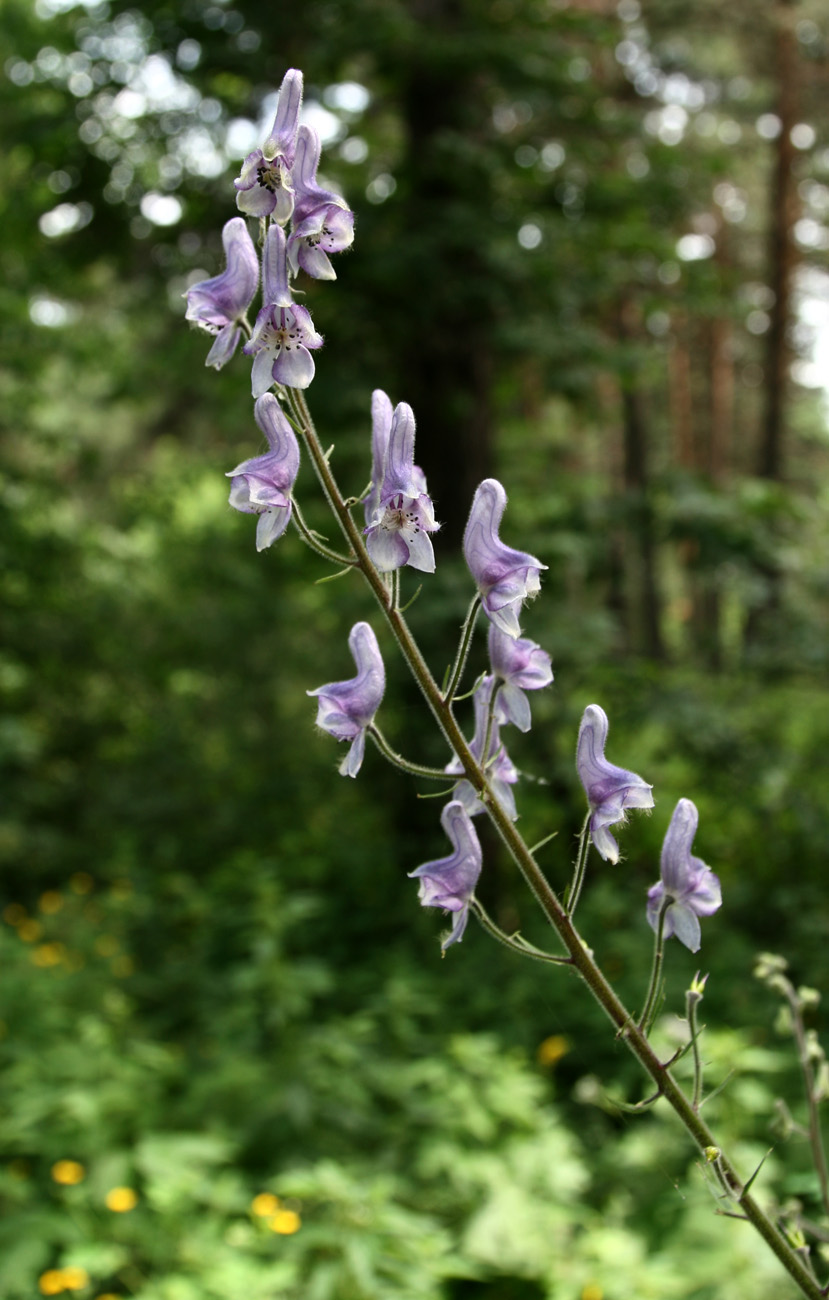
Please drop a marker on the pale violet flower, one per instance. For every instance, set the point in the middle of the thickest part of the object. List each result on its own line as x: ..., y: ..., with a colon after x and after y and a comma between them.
x: 402, y: 515
x: 519, y: 665
x: 309, y: 193
x: 610, y: 790
x: 219, y: 304
x: 501, y: 772
x: 284, y: 331
x: 689, y: 887
x: 328, y: 229
x: 262, y: 486
x: 265, y: 186
x: 382, y: 415
x: 450, y: 882
x: 505, y: 577
x: 346, y: 709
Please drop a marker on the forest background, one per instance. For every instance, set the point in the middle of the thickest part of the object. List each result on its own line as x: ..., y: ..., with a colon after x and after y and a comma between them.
x: 591, y: 252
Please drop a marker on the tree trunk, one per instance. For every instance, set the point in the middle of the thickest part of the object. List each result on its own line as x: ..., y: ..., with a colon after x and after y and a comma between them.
x: 637, y: 485
x: 782, y: 254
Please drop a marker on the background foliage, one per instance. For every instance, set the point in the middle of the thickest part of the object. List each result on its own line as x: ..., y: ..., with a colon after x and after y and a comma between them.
x: 587, y: 253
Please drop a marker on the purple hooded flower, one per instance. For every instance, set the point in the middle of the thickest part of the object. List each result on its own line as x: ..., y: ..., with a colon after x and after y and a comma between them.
x: 262, y: 486
x: 310, y: 196
x: 505, y: 577
x: 265, y: 185
x: 691, y: 886
x: 346, y: 709
x: 520, y: 665
x: 450, y: 882
x: 328, y: 229
x: 609, y: 789
x: 402, y: 515
x: 284, y: 331
x: 219, y: 304
x: 382, y: 414
x: 501, y: 772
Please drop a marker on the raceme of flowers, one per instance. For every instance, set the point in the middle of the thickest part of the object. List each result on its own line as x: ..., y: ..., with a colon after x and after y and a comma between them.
x: 302, y: 225
x: 277, y: 184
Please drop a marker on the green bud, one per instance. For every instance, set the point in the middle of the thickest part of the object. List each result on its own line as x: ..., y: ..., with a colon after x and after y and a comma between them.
x: 768, y: 964
x: 698, y: 985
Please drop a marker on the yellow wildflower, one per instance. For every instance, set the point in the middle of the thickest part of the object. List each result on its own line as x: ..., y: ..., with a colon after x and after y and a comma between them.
x: 121, y: 1199
x: 285, y: 1222
x: 264, y: 1204
x: 552, y: 1049
x: 68, y: 1172
x: 75, y: 1279
x: 51, y: 1282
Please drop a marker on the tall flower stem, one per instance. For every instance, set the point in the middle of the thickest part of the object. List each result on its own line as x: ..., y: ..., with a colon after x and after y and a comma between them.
x: 580, y: 956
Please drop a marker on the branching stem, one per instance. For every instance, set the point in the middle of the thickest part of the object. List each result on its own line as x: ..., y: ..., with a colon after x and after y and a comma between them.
x: 580, y: 956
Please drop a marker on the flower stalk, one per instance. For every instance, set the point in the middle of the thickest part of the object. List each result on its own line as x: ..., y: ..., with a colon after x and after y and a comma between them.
x: 577, y: 951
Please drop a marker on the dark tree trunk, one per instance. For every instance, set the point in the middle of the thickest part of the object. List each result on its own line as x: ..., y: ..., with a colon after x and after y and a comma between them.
x: 447, y: 374
x: 637, y: 485
x: 782, y: 262
x: 782, y: 255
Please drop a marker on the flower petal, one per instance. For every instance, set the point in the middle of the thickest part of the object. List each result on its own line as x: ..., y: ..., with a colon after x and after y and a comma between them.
x: 294, y: 367
x: 421, y: 553
x: 272, y: 524
x: 283, y: 133
x: 684, y: 924
x: 261, y: 375
x: 387, y: 549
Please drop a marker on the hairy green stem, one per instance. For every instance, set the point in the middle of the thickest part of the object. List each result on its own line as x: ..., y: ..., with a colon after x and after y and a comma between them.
x: 656, y: 970
x: 815, y: 1131
x: 692, y: 1000
x: 311, y: 539
x: 463, y: 649
x: 514, y: 941
x: 580, y: 955
x: 580, y: 869
x: 414, y: 769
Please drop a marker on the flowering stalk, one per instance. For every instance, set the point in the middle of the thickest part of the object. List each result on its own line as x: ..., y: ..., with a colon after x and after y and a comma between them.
x: 278, y: 184
x: 577, y: 953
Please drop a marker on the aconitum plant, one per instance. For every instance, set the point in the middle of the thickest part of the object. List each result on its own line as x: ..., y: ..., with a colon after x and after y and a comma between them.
x: 301, y: 226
